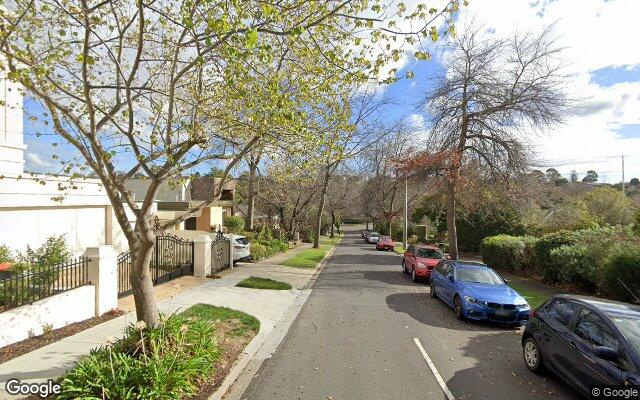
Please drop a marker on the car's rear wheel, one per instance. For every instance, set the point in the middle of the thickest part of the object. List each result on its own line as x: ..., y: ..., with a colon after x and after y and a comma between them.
x: 432, y: 287
x: 532, y: 355
x: 414, y: 277
x: 457, y: 303
x: 404, y: 268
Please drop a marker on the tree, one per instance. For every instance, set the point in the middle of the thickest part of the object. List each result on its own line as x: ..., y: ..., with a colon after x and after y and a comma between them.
x: 591, y: 177
x: 634, y: 182
x: 574, y: 177
x: 608, y: 206
x: 165, y: 86
x: 481, y: 108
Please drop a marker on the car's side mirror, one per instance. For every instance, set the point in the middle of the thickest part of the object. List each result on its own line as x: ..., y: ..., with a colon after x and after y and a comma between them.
x: 451, y: 278
x: 606, y: 353
x: 506, y: 281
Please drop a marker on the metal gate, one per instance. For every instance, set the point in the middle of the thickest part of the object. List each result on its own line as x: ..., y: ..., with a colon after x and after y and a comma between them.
x: 220, y: 253
x: 172, y: 257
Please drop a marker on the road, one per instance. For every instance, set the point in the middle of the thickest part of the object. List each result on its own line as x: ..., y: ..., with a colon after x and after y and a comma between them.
x: 355, y: 339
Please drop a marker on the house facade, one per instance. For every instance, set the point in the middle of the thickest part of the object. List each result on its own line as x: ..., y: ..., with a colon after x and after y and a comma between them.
x: 34, y: 207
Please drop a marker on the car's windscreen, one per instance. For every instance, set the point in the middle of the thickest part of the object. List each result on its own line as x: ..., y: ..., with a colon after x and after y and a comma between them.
x: 631, y: 329
x: 242, y: 241
x: 374, y: 234
x: 479, y: 275
x: 429, y: 253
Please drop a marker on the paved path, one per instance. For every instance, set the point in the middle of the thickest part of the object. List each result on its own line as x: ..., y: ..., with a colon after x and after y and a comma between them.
x: 354, y: 339
x: 269, y: 306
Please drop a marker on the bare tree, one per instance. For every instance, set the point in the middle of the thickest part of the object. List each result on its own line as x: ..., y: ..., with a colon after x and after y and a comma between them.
x: 482, y: 108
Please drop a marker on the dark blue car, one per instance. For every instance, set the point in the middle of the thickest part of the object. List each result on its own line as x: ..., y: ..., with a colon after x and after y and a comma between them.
x: 476, y: 291
x: 586, y: 341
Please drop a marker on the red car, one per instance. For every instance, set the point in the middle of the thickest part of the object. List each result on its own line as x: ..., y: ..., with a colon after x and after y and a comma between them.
x: 419, y: 261
x: 384, y: 243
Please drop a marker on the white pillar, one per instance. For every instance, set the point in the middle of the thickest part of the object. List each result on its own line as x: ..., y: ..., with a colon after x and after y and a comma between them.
x: 202, y: 256
x: 232, y: 240
x: 103, y: 274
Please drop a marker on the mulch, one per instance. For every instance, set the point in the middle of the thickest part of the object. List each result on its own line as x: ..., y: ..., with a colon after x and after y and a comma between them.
x: 20, y: 348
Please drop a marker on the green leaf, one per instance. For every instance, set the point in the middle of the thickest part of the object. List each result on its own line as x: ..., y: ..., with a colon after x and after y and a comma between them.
x: 252, y: 38
x: 421, y: 55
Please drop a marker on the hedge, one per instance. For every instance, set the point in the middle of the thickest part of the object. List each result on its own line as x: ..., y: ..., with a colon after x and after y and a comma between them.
x: 544, y: 261
x: 514, y: 253
x: 623, y: 266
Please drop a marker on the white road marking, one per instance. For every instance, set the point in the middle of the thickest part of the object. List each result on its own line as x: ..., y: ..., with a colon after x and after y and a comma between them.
x: 443, y: 385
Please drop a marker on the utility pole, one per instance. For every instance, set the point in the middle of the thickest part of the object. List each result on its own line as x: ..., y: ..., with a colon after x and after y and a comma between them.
x: 406, y: 212
x: 623, y: 175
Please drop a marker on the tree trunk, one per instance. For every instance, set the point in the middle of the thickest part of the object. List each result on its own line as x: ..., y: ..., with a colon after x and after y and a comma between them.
x: 333, y: 222
x: 142, y: 283
x: 251, y: 192
x: 451, y: 220
x: 323, y: 194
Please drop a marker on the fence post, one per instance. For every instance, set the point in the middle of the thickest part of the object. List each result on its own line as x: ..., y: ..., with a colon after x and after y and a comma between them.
x: 103, y: 274
x: 202, y: 256
x: 232, y: 240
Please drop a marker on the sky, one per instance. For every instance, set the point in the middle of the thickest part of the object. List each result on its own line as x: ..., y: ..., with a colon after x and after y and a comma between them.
x: 601, y: 49
x: 601, y: 42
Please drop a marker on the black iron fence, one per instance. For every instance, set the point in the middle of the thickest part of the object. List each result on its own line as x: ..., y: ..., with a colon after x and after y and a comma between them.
x: 172, y: 257
x: 41, y: 281
x: 220, y: 253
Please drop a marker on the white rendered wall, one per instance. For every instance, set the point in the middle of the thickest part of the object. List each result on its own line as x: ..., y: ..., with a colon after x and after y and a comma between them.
x: 59, y: 310
x: 11, y: 143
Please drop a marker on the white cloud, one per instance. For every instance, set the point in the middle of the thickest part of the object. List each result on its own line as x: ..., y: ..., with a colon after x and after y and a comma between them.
x: 34, y: 162
x: 595, y: 35
x: 416, y: 121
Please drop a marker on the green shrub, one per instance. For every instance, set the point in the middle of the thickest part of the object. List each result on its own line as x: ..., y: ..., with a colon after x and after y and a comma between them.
x: 542, y: 250
x: 258, y: 251
x: 5, y: 254
x: 574, y: 266
x: 234, y: 224
x: 623, y: 266
x: 168, y: 361
x: 514, y: 253
x: 265, y: 234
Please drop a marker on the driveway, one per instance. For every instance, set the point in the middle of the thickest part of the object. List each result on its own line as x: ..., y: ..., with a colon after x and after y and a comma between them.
x: 358, y: 337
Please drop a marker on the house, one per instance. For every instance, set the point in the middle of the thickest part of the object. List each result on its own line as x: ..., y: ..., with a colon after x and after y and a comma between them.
x: 175, y: 199
x: 34, y: 207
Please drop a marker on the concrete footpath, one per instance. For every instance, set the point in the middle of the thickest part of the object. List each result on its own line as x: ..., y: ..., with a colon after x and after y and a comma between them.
x: 269, y: 306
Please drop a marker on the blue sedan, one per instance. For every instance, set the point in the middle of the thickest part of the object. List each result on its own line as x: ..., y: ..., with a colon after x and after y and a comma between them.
x: 475, y: 291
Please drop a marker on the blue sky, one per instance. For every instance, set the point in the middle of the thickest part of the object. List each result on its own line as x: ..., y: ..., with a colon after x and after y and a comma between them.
x: 600, y: 38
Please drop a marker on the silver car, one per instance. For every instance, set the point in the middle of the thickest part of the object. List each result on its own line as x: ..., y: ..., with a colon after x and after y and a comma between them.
x: 373, y: 237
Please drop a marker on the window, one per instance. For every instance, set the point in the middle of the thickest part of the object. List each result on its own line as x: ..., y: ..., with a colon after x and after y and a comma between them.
x: 631, y: 328
x: 410, y: 248
x: 425, y: 252
x: 478, y: 275
x: 562, y: 311
x: 448, y: 270
x: 594, y: 330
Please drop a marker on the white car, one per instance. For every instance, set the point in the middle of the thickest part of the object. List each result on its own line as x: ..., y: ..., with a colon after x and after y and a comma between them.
x: 241, y: 246
x: 373, y: 237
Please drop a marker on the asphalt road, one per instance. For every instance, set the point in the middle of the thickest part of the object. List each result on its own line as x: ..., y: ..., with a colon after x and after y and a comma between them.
x: 355, y: 339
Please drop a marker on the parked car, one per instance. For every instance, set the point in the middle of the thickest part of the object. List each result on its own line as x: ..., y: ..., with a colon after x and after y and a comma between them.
x: 476, y: 291
x: 384, y: 243
x: 420, y: 260
x: 586, y: 341
x: 372, y: 237
x: 241, y: 246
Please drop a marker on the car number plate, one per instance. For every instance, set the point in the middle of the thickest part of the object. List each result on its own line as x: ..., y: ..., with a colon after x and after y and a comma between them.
x: 503, y: 313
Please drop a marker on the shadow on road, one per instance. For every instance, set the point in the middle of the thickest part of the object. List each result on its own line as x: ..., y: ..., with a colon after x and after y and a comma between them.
x: 364, y: 260
x: 433, y: 312
x: 500, y: 373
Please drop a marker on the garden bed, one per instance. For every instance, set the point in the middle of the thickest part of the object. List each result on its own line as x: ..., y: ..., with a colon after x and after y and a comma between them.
x: 28, y: 345
x: 186, y: 356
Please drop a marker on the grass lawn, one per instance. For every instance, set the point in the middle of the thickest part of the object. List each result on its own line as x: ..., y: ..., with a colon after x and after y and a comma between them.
x: 311, y: 257
x: 255, y: 282
x: 398, y: 249
x: 533, y: 297
x: 217, y: 314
